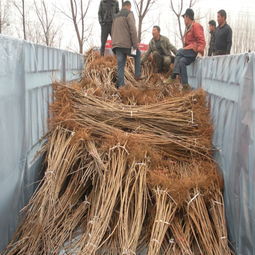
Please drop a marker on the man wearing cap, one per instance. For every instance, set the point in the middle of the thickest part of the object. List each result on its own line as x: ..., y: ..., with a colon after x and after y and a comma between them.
x: 106, y: 12
x: 212, y: 28
x: 194, y: 45
x: 161, y: 50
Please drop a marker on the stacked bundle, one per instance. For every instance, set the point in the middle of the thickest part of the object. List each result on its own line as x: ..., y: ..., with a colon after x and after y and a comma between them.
x: 128, y: 172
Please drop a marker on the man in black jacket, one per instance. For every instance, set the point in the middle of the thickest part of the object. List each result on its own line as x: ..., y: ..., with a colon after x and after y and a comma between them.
x: 212, y: 29
x: 223, y: 35
x: 106, y: 12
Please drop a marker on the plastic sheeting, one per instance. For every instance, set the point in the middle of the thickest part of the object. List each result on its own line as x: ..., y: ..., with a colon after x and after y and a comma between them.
x: 26, y: 74
x: 230, y: 83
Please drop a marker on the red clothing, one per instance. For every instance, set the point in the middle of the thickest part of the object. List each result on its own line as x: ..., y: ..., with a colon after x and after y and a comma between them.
x: 194, y: 38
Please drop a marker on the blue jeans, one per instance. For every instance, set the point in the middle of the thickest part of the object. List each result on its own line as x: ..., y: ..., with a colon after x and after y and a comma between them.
x: 182, y: 60
x: 122, y: 54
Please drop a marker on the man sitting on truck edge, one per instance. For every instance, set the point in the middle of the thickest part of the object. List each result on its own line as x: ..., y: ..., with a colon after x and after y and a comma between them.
x: 194, y: 45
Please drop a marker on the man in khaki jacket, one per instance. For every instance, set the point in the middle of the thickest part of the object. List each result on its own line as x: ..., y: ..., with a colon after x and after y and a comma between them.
x: 125, y: 42
x: 161, y: 50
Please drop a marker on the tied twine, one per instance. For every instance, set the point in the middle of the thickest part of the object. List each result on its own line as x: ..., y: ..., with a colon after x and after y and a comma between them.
x: 118, y: 146
x: 67, y: 130
x: 162, y: 221
x: 94, y: 220
x: 192, y: 117
x: 194, y: 198
x: 140, y: 164
x: 91, y: 244
x: 218, y: 203
x: 50, y: 174
x: 156, y: 241
x: 160, y: 191
x: 132, y: 113
x: 171, y: 241
x: 128, y: 252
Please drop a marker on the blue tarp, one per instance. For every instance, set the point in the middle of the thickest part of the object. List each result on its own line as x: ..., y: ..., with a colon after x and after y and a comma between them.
x: 230, y: 83
x: 26, y: 75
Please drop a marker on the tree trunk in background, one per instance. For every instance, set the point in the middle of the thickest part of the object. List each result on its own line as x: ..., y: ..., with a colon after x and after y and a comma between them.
x: 46, y: 17
x: 4, y: 14
x: 24, y: 20
x: 142, y: 9
x: 178, y: 12
x: 78, y: 17
x: 21, y: 9
x: 140, y: 21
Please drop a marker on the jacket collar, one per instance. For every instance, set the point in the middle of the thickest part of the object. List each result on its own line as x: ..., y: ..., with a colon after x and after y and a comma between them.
x: 107, y: 0
x: 188, y: 28
x: 223, y: 25
x: 160, y: 38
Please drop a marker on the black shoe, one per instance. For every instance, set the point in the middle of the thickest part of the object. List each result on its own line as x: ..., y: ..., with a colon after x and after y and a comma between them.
x: 173, y: 76
x: 139, y: 78
x: 186, y: 86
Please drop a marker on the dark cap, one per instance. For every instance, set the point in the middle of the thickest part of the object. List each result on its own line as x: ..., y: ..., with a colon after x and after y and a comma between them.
x: 189, y: 13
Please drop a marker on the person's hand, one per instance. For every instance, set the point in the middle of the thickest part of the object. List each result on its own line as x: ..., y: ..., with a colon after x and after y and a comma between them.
x: 199, y: 55
x: 136, y: 47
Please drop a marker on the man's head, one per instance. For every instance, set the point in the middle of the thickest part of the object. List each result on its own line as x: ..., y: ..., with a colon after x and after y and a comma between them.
x: 156, y: 32
x: 221, y: 17
x: 212, y: 25
x: 127, y: 5
x: 188, y: 16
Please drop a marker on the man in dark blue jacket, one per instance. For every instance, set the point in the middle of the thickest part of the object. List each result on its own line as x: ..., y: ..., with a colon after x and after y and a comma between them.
x: 106, y: 12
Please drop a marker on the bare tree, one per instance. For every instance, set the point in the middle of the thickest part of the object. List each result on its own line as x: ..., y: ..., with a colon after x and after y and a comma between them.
x: 78, y: 14
x: 46, y: 20
x: 142, y: 9
x: 21, y: 9
x: 178, y: 9
x: 33, y: 33
x: 243, y: 41
x: 4, y: 13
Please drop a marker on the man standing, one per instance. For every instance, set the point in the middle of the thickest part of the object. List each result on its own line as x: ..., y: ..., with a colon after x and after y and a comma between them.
x: 107, y: 10
x: 125, y: 42
x: 194, y: 45
x: 212, y: 28
x: 223, y: 35
x: 161, y: 50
